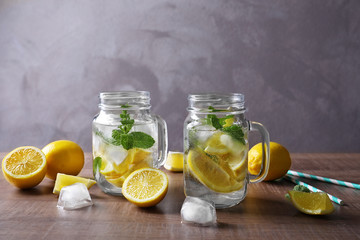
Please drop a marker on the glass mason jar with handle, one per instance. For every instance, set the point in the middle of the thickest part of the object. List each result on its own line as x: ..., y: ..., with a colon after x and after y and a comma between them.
x: 216, y: 147
x: 126, y: 137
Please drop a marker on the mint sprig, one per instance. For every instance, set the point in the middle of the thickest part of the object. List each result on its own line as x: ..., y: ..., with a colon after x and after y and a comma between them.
x: 235, y: 131
x: 131, y: 140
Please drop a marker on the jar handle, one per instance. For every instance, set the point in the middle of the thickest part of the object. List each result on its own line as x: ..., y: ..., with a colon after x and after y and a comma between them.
x: 255, y: 126
x: 162, y: 141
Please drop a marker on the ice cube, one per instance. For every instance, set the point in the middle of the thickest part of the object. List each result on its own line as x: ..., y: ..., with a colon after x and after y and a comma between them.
x: 74, y: 196
x: 198, y: 211
x: 115, y: 154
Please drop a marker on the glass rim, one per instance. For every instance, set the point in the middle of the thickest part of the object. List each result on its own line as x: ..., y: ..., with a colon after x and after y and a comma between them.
x: 131, y: 100
x: 124, y: 94
x: 216, y: 102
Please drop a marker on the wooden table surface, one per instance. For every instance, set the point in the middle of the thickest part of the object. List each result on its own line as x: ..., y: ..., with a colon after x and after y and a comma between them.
x: 264, y: 214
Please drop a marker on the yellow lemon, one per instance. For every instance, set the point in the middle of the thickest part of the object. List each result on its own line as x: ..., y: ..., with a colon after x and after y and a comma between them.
x: 24, y: 167
x: 280, y: 161
x: 145, y: 187
x: 174, y: 161
x: 63, y: 180
x: 314, y: 203
x: 63, y: 156
x: 216, y: 176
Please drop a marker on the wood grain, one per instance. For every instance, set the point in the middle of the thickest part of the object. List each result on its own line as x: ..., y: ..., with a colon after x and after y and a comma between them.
x: 265, y: 213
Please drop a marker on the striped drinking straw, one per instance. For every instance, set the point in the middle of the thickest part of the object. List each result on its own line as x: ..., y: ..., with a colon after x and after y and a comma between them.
x: 314, y: 189
x: 324, y: 179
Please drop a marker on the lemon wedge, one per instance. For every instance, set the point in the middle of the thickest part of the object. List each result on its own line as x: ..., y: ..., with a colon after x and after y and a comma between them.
x: 174, y: 161
x: 314, y: 203
x: 63, y: 180
x: 212, y: 174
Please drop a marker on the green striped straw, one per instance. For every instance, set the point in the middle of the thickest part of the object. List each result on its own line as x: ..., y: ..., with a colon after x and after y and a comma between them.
x: 314, y: 189
x: 324, y: 179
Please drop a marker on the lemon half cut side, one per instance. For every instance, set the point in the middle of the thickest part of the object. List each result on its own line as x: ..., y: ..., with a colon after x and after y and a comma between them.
x: 145, y: 187
x: 24, y: 167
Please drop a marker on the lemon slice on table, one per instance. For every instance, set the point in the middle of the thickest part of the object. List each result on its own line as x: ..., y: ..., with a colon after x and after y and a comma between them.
x: 24, y: 167
x: 63, y: 180
x: 314, y: 203
x: 145, y: 187
x: 174, y: 161
x: 211, y: 174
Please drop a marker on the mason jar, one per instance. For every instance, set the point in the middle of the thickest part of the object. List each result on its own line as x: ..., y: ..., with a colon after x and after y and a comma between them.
x: 126, y: 136
x: 216, y: 148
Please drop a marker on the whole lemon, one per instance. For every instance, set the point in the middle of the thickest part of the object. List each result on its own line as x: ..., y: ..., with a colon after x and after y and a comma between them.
x: 280, y: 161
x: 63, y: 156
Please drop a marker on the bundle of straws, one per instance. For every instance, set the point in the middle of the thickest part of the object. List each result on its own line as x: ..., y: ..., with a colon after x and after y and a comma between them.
x: 292, y: 176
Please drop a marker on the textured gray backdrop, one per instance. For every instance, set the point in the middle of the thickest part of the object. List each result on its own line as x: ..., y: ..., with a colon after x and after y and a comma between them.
x: 297, y: 62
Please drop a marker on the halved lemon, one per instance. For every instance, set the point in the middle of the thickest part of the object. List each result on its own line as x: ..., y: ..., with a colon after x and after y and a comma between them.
x: 145, y: 187
x: 63, y: 180
x: 174, y: 161
x: 314, y: 203
x: 24, y: 167
x: 211, y: 173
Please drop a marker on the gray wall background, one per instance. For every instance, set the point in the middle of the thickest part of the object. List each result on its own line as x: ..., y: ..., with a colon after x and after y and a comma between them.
x: 296, y: 61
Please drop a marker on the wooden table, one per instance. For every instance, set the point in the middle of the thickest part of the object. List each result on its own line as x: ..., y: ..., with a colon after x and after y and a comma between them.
x: 264, y: 214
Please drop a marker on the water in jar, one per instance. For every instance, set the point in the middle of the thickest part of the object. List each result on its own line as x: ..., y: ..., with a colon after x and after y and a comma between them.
x: 215, y: 164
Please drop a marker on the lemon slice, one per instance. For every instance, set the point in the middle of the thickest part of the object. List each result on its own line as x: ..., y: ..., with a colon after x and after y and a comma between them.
x: 63, y: 180
x: 107, y: 168
x: 134, y: 156
x: 211, y: 174
x: 145, y: 187
x: 174, y: 161
x: 118, y: 180
x: 214, y: 146
x: 314, y: 203
x: 24, y: 167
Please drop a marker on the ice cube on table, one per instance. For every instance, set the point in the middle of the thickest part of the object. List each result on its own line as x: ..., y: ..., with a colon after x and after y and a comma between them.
x: 198, y: 211
x: 74, y: 196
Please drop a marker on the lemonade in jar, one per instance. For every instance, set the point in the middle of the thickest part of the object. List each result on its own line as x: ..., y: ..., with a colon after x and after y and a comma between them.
x: 216, y: 147
x: 126, y: 137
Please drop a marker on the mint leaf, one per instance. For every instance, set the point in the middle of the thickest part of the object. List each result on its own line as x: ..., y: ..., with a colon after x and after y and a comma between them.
x: 236, y: 132
x: 126, y: 122
x: 214, y: 121
x: 116, y: 135
x: 127, y: 141
x: 142, y: 140
x: 96, y: 164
